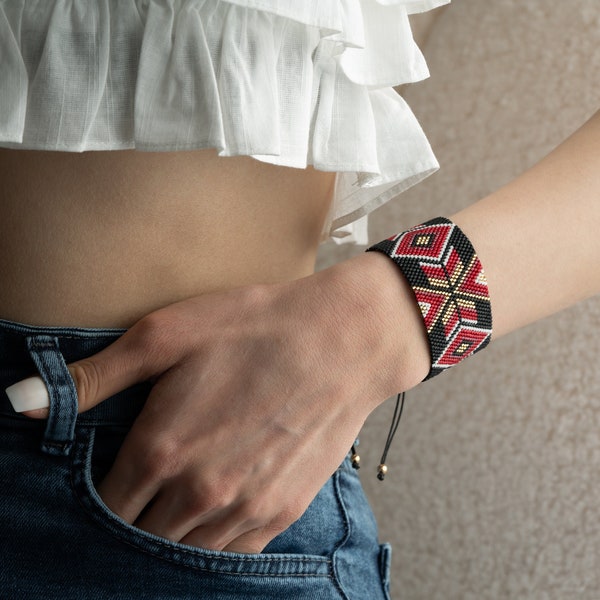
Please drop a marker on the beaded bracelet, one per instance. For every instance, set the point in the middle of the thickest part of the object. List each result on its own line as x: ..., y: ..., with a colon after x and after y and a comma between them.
x: 442, y: 268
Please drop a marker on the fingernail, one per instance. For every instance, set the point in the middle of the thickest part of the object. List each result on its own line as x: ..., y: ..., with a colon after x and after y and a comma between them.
x: 28, y: 394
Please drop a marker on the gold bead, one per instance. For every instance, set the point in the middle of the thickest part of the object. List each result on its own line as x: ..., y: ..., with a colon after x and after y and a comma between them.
x: 355, y: 461
x: 381, y: 472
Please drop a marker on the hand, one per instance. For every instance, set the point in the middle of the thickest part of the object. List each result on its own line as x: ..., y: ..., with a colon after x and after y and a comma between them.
x: 258, y: 394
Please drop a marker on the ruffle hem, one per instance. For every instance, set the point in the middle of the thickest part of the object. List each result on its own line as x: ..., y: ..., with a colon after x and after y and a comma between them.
x: 289, y: 82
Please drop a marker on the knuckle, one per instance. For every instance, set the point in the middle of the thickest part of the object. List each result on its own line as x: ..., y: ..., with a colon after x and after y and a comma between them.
x: 203, y: 497
x: 148, y: 326
x: 213, y: 497
x: 194, y: 506
x: 152, y: 340
x: 255, y: 295
x: 162, y: 460
x: 251, y: 515
x: 197, y: 503
x: 252, y: 298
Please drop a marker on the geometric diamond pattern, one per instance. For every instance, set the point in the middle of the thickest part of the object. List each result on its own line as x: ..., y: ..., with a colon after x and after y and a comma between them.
x: 448, y: 281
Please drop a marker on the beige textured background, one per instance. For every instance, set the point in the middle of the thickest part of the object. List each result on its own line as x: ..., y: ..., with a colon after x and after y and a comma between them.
x: 494, y: 483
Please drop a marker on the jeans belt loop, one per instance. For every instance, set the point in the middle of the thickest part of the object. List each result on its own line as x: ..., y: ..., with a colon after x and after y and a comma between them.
x: 60, y: 427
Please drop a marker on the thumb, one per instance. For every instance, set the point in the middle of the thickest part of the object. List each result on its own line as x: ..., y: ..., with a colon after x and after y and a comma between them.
x: 102, y: 375
x: 115, y: 368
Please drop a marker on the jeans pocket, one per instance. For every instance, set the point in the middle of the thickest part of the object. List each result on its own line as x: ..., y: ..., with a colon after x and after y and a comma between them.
x: 266, y: 564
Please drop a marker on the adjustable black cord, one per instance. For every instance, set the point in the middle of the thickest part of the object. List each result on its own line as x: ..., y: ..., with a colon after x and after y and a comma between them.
x: 382, y: 468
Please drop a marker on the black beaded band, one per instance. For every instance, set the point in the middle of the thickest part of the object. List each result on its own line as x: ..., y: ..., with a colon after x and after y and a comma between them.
x: 447, y: 278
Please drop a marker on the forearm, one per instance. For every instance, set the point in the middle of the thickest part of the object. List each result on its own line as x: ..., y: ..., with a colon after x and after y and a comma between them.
x: 538, y: 239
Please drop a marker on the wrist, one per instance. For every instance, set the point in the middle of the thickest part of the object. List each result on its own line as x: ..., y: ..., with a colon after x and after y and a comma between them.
x: 384, y: 311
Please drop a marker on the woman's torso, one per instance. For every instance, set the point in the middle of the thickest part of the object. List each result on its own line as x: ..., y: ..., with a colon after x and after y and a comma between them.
x: 100, y: 239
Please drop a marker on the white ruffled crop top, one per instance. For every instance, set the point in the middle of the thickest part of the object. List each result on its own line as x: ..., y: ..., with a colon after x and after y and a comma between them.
x: 289, y: 82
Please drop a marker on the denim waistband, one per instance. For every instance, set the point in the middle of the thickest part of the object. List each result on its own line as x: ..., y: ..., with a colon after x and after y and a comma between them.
x: 74, y: 343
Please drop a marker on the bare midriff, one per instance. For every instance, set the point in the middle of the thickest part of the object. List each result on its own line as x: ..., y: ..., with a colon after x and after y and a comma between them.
x: 100, y: 239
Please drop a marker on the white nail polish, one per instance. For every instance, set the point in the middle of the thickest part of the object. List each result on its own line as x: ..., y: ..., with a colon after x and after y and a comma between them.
x: 28, y: 394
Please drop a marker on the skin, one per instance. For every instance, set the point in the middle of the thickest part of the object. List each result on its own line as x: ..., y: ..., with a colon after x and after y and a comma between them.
x: 248, y: 448
x: 537, y: 237
x: 108, y: 237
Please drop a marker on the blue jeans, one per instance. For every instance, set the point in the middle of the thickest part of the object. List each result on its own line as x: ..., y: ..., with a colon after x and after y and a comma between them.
x: 59, y: 541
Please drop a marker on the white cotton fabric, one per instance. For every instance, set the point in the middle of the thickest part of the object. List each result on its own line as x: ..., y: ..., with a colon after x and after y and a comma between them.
x: 289, y: 82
